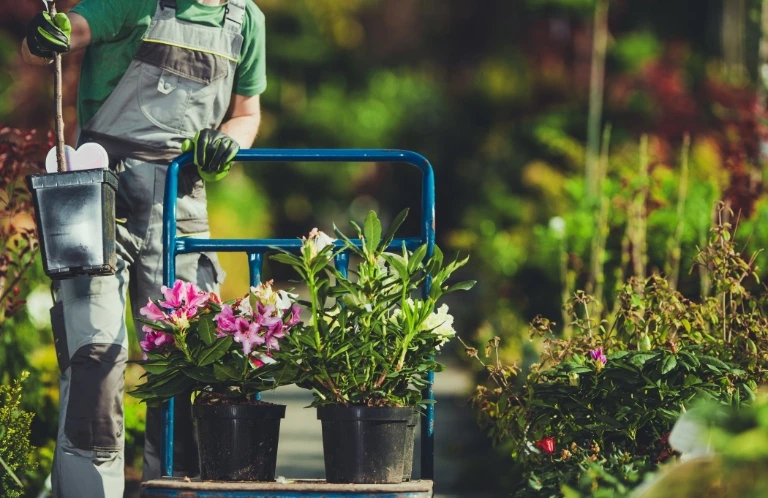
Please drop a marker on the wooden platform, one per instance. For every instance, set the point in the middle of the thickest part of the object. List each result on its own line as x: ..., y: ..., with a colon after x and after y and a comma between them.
x: 180, y: 488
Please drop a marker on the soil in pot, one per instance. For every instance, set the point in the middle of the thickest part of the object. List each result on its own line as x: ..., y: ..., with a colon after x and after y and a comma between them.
x: 364, y: 445
x: 238, y: 442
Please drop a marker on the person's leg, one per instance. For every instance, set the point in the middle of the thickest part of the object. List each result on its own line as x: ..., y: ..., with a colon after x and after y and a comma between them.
x: 204, y: 270
x: 92, y: 346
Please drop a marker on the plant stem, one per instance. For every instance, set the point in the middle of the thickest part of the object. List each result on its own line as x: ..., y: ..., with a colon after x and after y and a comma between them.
x: 674, y: 246
x: 638, y: 217
x: 597, y: 261
x: 61, y: 157
x: 313, y: 298
x: 596, y: 86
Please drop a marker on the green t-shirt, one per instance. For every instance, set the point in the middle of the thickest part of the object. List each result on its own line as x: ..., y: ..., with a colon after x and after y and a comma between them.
x: 117, y: 27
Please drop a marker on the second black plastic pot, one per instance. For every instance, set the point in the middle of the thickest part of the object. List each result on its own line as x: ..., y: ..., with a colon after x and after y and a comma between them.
x: 364, y: 445
x: 238, y: 442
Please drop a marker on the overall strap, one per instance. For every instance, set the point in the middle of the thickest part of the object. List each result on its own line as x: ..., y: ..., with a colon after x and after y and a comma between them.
x: 167, y: 4
x: 235, y: 12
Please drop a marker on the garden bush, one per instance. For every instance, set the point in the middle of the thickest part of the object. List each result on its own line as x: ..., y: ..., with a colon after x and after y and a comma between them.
x: 592, y: 416
x: 15, y: 450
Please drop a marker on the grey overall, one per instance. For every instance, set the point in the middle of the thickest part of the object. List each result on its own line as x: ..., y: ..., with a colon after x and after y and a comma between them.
x: 180, y: 81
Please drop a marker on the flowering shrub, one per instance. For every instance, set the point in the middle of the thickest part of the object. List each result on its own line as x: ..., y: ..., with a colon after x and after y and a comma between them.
x: 607, y: 396
x: 224, y: 351
x: 375, y: 342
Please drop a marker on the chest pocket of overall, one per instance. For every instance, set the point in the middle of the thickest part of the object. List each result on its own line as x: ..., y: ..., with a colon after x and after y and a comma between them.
x: 178, y: 85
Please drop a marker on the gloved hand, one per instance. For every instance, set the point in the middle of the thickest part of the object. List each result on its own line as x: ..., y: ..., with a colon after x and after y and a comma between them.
x: 214, y: 152
x: 46, y: 34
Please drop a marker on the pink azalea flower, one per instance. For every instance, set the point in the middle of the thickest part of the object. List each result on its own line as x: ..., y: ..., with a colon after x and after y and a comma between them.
x: 597, y: 355
x: 153, y: 312
x: 173, y: 296
x: 183, y: 294
x: 225, y: 321
x: 272, y: 323
x: 272, y: 343
x: 247, y: 334
x: 155, y: 340
x: 295, y: 315
x: 195, y: 297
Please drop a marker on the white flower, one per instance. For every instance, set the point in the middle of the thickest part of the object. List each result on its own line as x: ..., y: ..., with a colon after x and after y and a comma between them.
x: 285, y: 300
x: 439, y: 323
x: 316, y: 242
x: 281, y: 299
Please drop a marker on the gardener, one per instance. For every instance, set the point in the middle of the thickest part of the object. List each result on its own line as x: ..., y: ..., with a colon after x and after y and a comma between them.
x: 157, y: 77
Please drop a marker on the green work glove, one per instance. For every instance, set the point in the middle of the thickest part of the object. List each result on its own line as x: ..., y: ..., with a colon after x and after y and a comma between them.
x: 214, y: 152
x: 46, y: 34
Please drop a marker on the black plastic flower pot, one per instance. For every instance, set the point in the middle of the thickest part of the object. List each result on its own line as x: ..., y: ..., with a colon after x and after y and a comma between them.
x: 238, y: 442
x: 75, y: 216
x: 364, y: 445
x: 410, y: 440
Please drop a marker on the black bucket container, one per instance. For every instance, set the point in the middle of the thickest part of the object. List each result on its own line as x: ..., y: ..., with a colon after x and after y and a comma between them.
x: 364, y: 445
x: 238, y: 442
x: 75, y: 215
x: 410, y: 440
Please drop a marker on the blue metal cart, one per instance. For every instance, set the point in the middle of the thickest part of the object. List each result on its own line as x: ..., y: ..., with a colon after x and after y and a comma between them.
x: 255, y: 250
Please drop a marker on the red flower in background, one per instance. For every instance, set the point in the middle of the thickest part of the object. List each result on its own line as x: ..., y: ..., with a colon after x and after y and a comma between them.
x: 546, y: 445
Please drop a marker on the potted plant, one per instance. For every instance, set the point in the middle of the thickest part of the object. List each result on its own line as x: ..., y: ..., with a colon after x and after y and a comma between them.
x: 368, y: 346
x: 222, y: 353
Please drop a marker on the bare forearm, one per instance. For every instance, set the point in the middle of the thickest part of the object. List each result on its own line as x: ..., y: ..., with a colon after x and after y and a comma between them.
x: 243, y: 129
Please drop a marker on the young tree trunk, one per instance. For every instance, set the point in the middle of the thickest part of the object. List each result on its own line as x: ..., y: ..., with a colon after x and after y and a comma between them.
x: 61, y: 157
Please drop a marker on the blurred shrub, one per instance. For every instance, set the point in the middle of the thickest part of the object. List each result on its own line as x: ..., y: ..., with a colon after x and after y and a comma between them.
x: 736, y: 466
x: 15, y: 450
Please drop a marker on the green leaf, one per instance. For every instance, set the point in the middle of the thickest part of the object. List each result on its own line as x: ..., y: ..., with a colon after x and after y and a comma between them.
x: 669, y: 363
x: 206, y: 329
x: 639, y: 359
x: 157, y: 367
x: 390, y: 235
x: 199, y: 374
x: 215, y: 351
x: 466, y: 285
x: 750, y: 393
x: 372, y: 232
x: 417, y: 257
x: 177, y: 385
x: 617, y: 354
x: 710, y: 360
x: 288, y: 259
x: 397, y: 263
x: 224, y: 373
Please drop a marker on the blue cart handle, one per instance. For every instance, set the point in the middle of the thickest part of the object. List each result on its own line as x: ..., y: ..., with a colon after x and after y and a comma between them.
x: 255, y: 248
